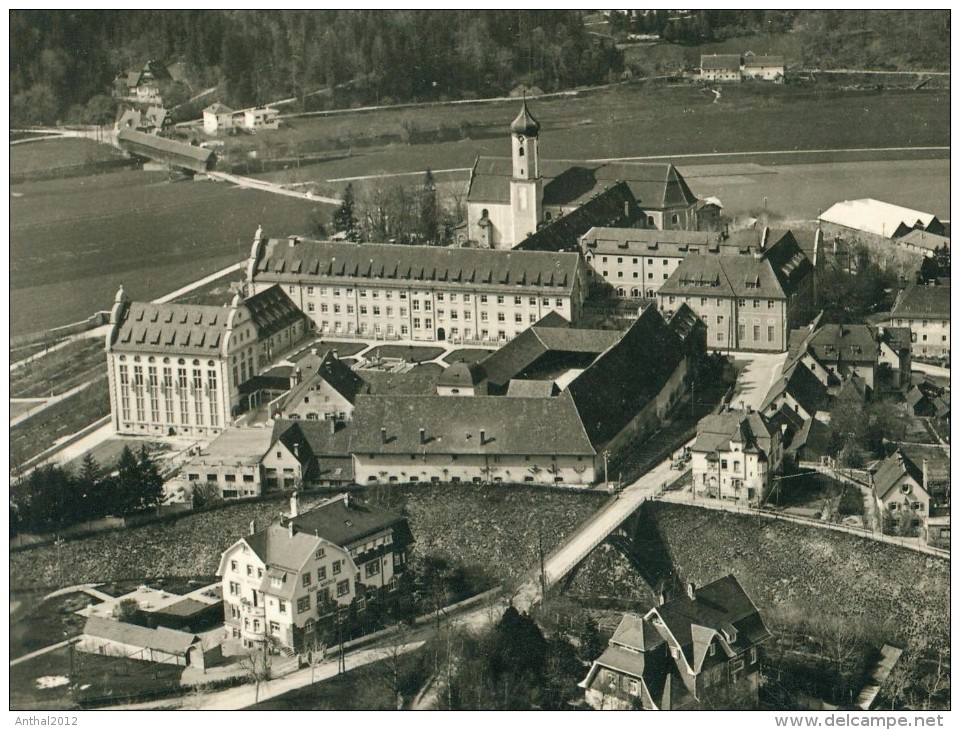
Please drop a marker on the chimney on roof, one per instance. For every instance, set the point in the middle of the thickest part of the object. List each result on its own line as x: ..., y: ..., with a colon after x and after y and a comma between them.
x: 313, y: 351
x: 691, y: 590
x: 423, y: 435
x: 926, y: 475
x: 295, y: 376
x: 661, y: 599
x: 296, y: 451
x: 346, y: 499
x: 253, y: 527
x: 383, y: 435
x: 294, y: 505
x: 290, y: 528
x: 336, y: 354
x: 483, y: 436
x: 293, y: 241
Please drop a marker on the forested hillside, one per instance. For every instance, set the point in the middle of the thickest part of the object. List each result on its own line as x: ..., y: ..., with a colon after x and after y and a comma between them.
x: 63, y: 63
x: 61, y: 59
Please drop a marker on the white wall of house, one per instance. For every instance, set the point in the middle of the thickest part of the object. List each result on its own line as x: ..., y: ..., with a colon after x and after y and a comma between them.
x: 500, y: 216
x: 539, y: 469
x: 322, y: 402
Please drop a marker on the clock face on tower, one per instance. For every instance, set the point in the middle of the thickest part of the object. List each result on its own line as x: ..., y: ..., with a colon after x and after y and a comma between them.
x: 520, y: 138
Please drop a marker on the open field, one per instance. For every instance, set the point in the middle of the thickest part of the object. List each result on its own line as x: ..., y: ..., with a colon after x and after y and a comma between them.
x: 21, y: 407
x: 59, y: 371
x: 216, y: 293
x: 73, y: 241
x: 50, y: 154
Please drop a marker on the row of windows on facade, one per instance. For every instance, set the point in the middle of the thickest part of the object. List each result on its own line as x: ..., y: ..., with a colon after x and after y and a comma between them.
x: 228, y: 478
x: 377, y: 329
x: 427, y: 303
x: 742, y: 333
x: 170, y: 413
x: 376, y: 311
x: 413, y: 479
x: 718, y: 302
x: 924, y: 323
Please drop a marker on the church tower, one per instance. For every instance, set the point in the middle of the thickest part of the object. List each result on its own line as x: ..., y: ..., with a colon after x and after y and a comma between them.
x: 526, y: 185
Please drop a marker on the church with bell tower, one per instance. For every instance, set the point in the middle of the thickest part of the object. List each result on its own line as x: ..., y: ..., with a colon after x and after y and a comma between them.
x: 526, y: 185
x: 510, y: 199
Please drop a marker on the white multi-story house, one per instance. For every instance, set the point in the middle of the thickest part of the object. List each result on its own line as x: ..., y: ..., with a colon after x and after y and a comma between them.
x: 261, y: 117
x: 292, y: 583
x: 734, y: 456
x: 925, y: 310
x: 419, y: 292
x: 179, y: 368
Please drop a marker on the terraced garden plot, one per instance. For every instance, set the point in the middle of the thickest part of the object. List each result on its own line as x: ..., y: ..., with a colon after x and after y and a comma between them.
x: 60, y: 370
x: 39, y: 432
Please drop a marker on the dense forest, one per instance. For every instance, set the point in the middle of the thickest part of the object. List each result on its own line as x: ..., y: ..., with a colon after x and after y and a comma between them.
x: 63, y: 63
x: 61, y: 59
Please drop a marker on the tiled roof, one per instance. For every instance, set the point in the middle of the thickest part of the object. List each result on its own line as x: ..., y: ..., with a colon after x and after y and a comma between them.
x: 514, y: 426
x: 626, y: 376
x: 621, y: 660
x: 924, y: 239
x: 283, y: 553
x: 182, y: 329
x: 315, y: 261
x: 654, y: 185
x: 329, y: 369
x: 314, y: 438
x: 162, y: 144
x: 892, y: 469
x: 720, y: 62
x: 831, y: 343
x: 533, y: 343
x: 348, y: 524
x: 919, y: 300
x: 614, y: 206
x: 716, y: 431
x: 273, y: 311
x: 162, y: 639
x: 803, y: 386
x: 649, y: 241
x: 758, y: 61
x: 462, y: 374
x: 877, y: 217
x: 218, y: 108
x: 813, y: 439
x: 531, y: 388
x: 635, y: 633
x: 776, y: 274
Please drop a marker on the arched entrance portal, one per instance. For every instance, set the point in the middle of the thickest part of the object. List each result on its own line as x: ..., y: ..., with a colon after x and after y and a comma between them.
x: 441, y: 334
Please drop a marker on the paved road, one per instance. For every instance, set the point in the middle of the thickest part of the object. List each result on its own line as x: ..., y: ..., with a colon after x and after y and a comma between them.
x: 270, y: 187
x: 760, y: 371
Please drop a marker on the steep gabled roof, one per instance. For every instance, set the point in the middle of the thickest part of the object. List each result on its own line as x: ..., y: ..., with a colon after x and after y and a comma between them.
x: 347, y: 523
x: 654, y: 186
x: 614, y: 206
x: 162, y: 144
x: 892, y: 469
x: 273, y: 311
x: 803, y: 386
x: 759, y: 61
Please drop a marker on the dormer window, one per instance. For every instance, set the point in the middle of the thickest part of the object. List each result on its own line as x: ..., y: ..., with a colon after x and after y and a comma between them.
x: 713, y: 649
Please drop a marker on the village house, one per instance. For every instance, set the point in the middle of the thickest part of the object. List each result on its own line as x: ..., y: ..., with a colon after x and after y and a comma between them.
x: 751, y: 298
x: 508, y: 199
x: 180, y: 368
x: 925, y: 310
x: 230, y: 464
x: 762, y: 68
x: 308, y: 453
x: 923, y: 242
x: 682, y: 653
x: 735, y: 455
x: 798, y: 390
x: 720, y: 68
x: 217, y: 118
x: 261, y: 117
x: 292, y: 583
x: 835, y: 352
x: 901, y: 489
x: 154, y: 120
x: 144, y: 84
x: 321, y: 389
x: 419, y: 292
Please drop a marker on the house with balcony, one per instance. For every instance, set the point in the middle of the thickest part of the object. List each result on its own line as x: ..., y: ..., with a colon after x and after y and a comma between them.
x: 681, y: 653
x: 292, y: 584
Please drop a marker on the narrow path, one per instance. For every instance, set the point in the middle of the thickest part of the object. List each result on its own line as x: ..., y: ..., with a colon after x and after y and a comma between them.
x: 396, y: 174
x: 53, y: 400
x: 100, y: 331
x: 41, y: 652
x: 200, y: 282
x: 269, y: 187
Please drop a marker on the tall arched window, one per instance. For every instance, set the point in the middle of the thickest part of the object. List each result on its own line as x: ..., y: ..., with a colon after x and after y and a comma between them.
x: 520, y: 152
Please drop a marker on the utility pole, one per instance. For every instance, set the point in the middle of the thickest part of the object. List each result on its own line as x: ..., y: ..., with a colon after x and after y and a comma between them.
x: 543, y: 572
x: 606, y: 480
